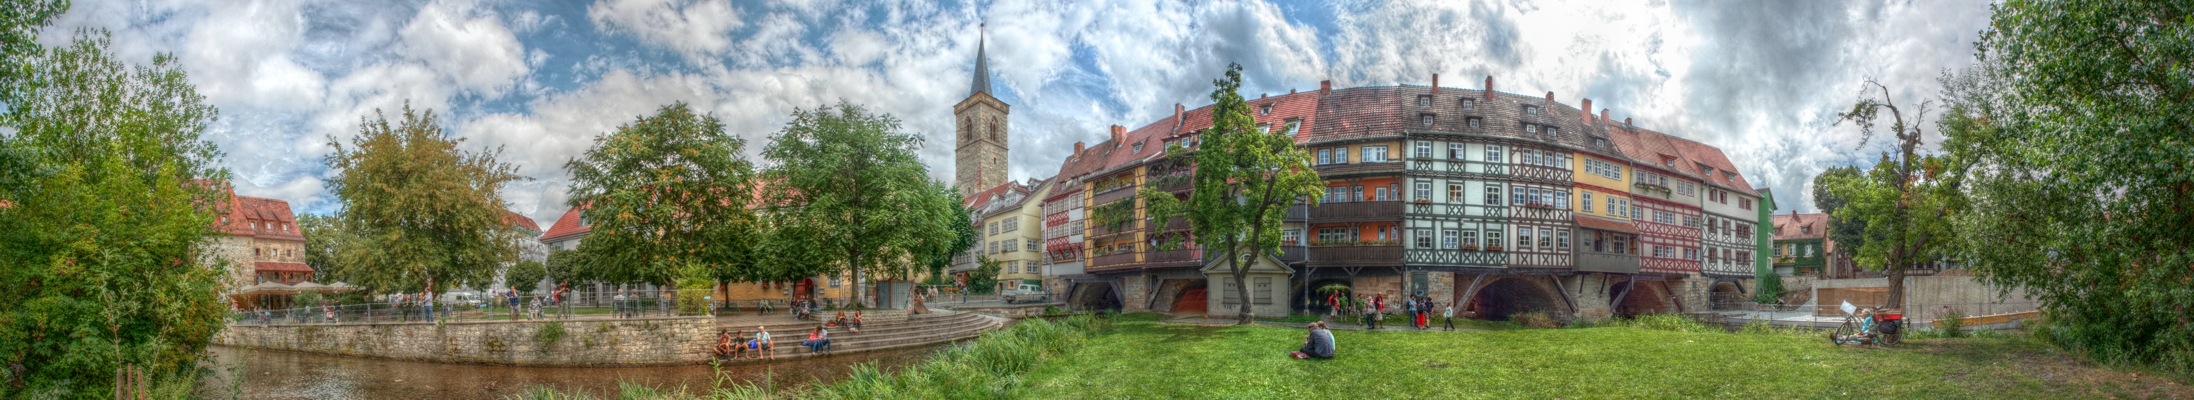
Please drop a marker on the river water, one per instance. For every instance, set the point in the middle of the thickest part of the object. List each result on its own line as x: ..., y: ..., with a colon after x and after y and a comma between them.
x: 270, y: 374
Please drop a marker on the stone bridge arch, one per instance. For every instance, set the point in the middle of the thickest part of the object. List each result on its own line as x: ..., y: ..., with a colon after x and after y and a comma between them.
x: 1643, y: 297
x: 1506, y: 296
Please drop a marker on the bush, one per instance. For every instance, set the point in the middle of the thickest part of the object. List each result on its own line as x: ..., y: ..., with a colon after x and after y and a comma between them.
x: 1535, y: 320
x: 1951, y: 322
x: 549, y: 334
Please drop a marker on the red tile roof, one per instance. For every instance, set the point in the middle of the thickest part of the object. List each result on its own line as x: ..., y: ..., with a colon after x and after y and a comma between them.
x: 1792, y: 226
x: 979, y: 199
x: 260, y: 217
x: 1702, y: 154
x: 272, y: 266
x: 1648, y: 149
x: 566, y: 226
x: 520, y: 221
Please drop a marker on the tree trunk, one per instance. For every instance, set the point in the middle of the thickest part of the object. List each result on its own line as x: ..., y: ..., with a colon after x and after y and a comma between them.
x: 1896, y: 274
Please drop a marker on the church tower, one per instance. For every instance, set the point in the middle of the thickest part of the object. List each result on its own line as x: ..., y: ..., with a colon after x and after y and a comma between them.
x: 981, y: 152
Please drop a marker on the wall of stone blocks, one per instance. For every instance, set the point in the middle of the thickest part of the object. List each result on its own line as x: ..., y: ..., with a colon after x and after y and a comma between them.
x: 1136, y: 293
x: 608, y: 342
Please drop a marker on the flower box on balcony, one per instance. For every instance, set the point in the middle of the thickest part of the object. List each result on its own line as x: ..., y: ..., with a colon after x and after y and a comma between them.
x: 1493, y: 248
x: 1469, y: 247
x: 1424, y: 201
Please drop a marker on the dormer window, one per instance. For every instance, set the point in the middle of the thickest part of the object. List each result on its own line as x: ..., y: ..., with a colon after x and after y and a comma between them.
x: 1293, y: 125
x: 1265, y: 110
x: 1729, y: 176
x: 1424, y: 100
x: 1528, y: 128
x: 1469, y: 104
x: 1265, y: 127
x: 1473, y: 122
x: 1806, y: 229
x: 1550, y: 131
x: 1138, y: 148
x: 1599, y: 142
x: 1532, y: 110
x: 1427, y: 119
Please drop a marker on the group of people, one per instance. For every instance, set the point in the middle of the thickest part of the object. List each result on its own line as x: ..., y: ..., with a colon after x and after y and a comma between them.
x: 739, y: 346
x: 1372, y: 310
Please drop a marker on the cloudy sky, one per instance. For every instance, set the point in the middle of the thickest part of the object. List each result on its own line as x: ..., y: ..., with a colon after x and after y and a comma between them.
x: 1760, y: 79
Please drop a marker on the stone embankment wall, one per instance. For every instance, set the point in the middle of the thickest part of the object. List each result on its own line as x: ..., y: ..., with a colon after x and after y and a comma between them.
x: 604, y: 342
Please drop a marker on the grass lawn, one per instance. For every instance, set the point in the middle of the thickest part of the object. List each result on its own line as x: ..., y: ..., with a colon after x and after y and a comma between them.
x: 1158, y: 360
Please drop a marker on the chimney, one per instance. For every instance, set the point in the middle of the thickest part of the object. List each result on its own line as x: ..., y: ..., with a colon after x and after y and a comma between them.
x: 1177, y: 110
x: 1325, y: 87
x: 1489, y: 88
x: 1550, y: 97
x: 1435, y: 84
x: 1077, y: 149
x: 1260, y: 95
x: 1586, y: 109
x: 1603, y: 115
x: 1626, y: 123
x: 1119, y: 133
x: 1291, y: 91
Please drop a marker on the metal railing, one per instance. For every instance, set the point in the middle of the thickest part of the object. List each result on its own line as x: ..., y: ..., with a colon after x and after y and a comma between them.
x: 634, y: 304
x: 1916, y: 312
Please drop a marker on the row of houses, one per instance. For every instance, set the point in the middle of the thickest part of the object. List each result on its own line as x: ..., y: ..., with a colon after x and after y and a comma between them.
x: 1496, y: 201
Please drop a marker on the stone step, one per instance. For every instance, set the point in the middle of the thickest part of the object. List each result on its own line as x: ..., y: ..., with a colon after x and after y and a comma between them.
x: 973, y: 326
x: 872, y: 325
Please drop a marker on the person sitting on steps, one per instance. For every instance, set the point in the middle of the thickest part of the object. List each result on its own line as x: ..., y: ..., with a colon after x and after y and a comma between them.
x: 763, y: 346
x: 855, y: 325
x: 1318, y: 344
x: 724, y: 344
x: 839, y: 320
x: 818, y: 340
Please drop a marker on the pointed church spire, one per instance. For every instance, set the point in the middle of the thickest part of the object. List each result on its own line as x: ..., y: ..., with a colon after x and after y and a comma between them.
x: 982, y: 66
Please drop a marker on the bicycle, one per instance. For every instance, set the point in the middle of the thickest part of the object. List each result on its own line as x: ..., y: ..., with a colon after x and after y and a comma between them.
x: 1868, y: 325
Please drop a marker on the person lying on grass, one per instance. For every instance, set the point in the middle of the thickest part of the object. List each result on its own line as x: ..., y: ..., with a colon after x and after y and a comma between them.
x: 1319, y: 344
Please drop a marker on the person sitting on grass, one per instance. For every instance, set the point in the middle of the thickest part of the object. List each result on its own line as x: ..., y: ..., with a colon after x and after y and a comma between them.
x: 855, y: 324
x: 1319, y: 344
x: 818, y: 340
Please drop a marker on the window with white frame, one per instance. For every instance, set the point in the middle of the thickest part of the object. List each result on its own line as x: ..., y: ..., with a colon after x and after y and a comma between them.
x: 1455, y: 151
x: 1291, y: 237
x: 1561, y: 240
x: 1424, y: 149
x: 1447, y: 239
x: 1332, y: 235
x: 1469, y: 104
x: 1585, y: 204
x: 1529, y: 128
x: 1531, y: 109
x: 1624, y: 205
x: 1336, y: 194
x: 1424, y: 191
x: 1387, y: 234
x: 992, y: 248
x: 1032, y: 245
x: 1551, y: 131
x: 1325, y: 156
x: 1424, y: 101
x: 1455, y: 192
x: 1470, y: 237
x: 1428, y: 119
x: 1293, y: 126
x: 1493, y: 154
x: 1424, y: 238
x: 1546, y: 239
x: 1604, y: 169
x: 1473, y: 121
x: 1523, y: 238
x: 1374, y: 154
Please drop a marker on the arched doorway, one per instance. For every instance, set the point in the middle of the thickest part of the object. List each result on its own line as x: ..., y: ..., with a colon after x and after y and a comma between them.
x: 1193, y: 301
x: 1641, y: 298
x: 1725, y: 296
x: 1509, y: 296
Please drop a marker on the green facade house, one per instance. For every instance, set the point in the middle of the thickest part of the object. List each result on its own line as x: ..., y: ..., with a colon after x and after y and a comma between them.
x: 1801, y: 243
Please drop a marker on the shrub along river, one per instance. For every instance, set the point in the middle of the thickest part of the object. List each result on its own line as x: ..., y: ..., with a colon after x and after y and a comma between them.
x: 273, y: 374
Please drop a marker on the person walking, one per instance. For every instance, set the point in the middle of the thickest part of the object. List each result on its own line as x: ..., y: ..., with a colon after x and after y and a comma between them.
x: 1447, y: 317
x: 1378, y: 310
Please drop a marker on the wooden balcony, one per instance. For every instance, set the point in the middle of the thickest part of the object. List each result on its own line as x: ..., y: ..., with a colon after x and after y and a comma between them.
x: 1297, y: 213
x: 1373, y: 168
x: 1365, y: 211
x: 1107, y: 197
x: 1098, y: 231
x: 1355, y: 256
x: 1607, y: 262
x: 1173, y: 258
x: 1110, y: 261
x: 1293, y: 254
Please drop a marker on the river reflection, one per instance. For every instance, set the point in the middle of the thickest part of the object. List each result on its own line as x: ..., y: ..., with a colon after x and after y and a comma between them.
x: 268, y: 374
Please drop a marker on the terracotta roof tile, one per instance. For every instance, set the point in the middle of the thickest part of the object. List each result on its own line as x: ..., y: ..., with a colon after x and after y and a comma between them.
x: 272, y: 266
x: 1702, y: 154
x: 1792, y: 226
x: 1591, y: 222
x: 512, y: 218
x: 566, y: 226
x: 260, y: 217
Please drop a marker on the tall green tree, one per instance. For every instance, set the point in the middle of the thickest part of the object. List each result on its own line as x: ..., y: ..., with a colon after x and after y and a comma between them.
x: 1905, y: 200
x: 846, y: 183
x: 109, y: 196
x: 961, y: 235
x: 2076, y: 124
x: 324, y: 237
x: 1847, y: 234
x: 525, y: 276
x: 1244, y: 179
x: 427, y: 214
x: 668, y: 197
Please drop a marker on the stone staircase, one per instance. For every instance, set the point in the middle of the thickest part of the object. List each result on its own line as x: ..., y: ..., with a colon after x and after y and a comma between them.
x: 888, y: 329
